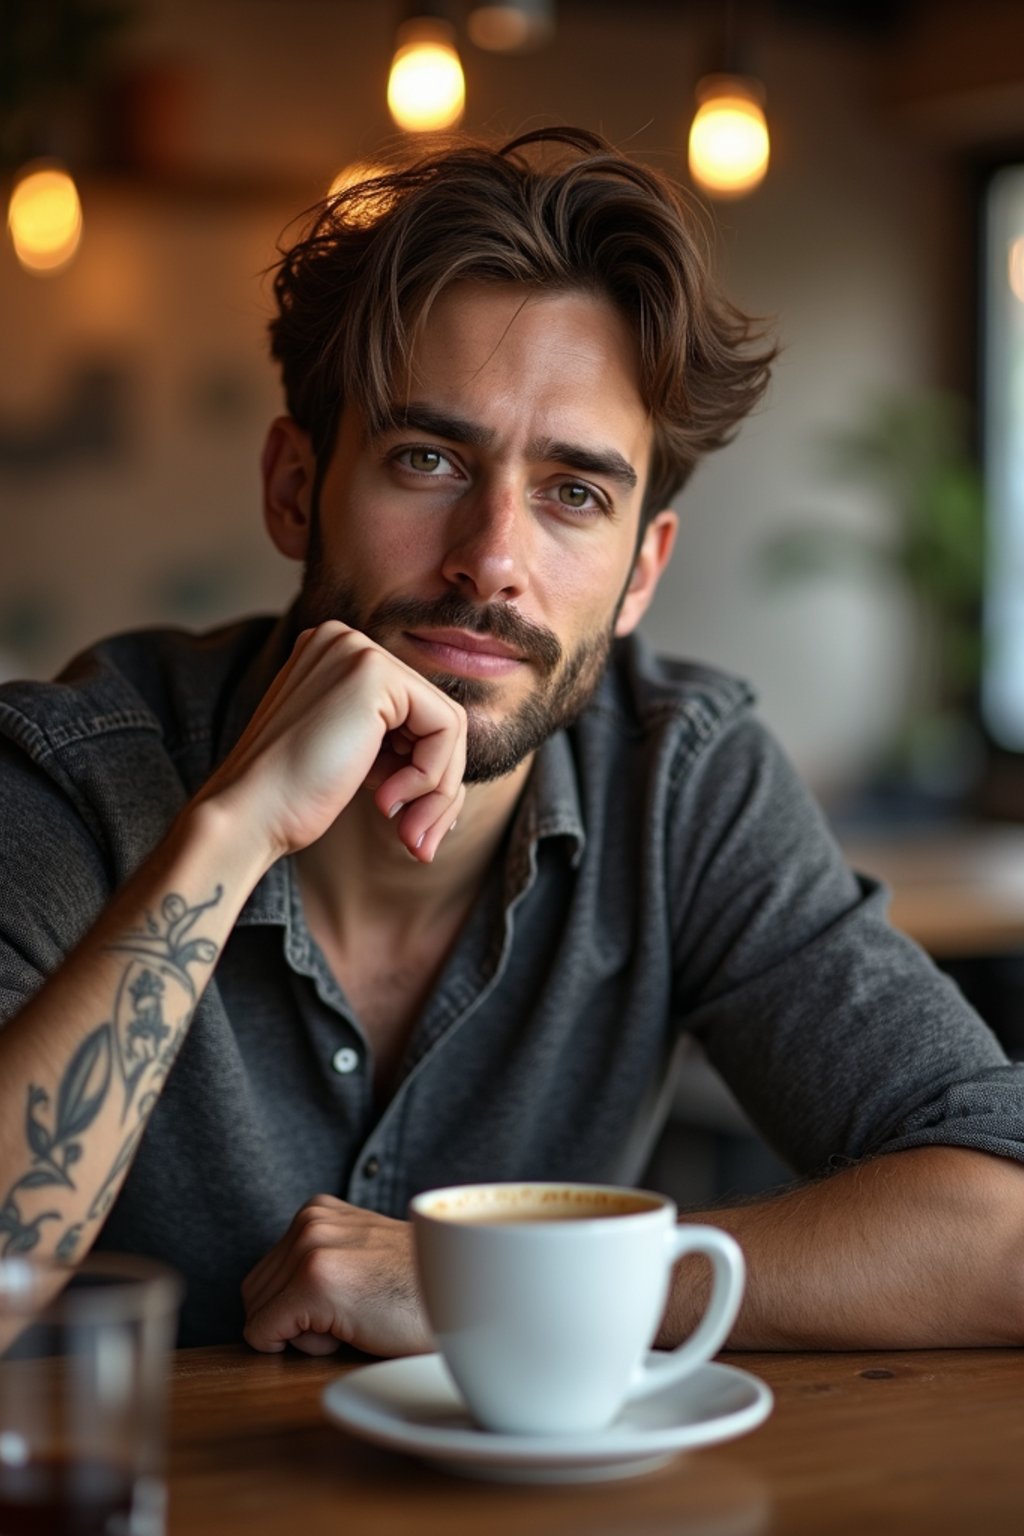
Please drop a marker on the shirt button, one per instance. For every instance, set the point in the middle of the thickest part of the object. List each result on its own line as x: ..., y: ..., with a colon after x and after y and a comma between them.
x: 345, y: 1060
x: 371, y: 1168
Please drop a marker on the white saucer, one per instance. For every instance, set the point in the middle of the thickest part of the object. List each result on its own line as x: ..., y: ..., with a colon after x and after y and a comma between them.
x: 412, y: 1405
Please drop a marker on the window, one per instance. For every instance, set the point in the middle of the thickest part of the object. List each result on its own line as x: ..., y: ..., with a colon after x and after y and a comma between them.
x: 1003, y: 446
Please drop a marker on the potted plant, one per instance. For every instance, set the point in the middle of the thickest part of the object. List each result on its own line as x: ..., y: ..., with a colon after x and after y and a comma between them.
x: 913, y: 454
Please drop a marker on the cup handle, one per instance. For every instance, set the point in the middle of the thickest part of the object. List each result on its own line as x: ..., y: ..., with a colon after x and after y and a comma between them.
x: 660, y: 1370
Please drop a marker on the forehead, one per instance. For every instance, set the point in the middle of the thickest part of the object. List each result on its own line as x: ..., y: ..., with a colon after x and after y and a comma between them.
x: 527, y: 359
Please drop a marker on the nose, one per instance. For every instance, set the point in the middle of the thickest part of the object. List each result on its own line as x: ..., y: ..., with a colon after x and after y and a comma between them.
x: 488, y: 548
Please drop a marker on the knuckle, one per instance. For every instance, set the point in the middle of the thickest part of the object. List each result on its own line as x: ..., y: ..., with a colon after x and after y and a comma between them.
x: 309, y: 1217
x: 363, y: 658
x: 304, y: 1244
x: 313, y: 1235
x: 317, y: 1269
x: 318, y: 633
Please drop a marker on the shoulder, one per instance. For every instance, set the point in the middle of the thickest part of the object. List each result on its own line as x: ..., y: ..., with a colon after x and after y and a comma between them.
x: 165, y: 683
x: 682, y: 706
x: 115, y: 746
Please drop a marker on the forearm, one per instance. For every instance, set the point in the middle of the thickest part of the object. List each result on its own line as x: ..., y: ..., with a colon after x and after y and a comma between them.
x: 83, y: 1064
x: 917, y: 1249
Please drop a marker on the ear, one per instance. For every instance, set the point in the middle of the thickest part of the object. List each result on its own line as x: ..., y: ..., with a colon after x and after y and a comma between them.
x: 652, y: 557
x: 288, y: 468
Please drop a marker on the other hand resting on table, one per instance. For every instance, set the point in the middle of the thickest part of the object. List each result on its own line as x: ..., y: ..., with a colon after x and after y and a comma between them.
x: 340, y: 1275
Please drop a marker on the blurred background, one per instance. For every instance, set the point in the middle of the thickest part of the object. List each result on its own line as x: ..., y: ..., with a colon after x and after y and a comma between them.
x: 857, y: 554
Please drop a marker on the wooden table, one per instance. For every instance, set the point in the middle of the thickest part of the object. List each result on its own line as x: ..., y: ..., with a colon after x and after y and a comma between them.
x: 959, y: 891
x: 858, y: 1445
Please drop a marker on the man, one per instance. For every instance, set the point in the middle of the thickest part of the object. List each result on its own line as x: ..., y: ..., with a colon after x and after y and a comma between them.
x: 423, y: 882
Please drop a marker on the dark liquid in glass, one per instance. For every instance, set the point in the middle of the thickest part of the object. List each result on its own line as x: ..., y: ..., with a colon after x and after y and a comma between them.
x: 65, y: 1498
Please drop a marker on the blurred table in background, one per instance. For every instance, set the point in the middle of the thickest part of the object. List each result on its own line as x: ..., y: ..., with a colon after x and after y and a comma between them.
x: 957, y: 890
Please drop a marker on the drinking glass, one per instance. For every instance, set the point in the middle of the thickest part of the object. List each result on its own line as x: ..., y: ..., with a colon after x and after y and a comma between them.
x: 83, y: 1366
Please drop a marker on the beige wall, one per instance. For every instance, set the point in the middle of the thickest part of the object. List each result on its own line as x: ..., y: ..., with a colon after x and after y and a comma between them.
x: 856, y: 243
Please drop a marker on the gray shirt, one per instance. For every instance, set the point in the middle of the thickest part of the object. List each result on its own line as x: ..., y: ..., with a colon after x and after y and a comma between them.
x: 665, y: 873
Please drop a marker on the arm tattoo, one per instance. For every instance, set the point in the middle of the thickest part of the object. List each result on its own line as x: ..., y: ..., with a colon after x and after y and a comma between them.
x: 137, y: 1046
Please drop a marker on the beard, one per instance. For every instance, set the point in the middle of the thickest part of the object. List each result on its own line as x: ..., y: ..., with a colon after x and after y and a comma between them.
x: 566, y: 683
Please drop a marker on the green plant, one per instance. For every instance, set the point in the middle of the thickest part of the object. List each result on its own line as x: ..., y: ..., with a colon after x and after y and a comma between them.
x: 913, y: 454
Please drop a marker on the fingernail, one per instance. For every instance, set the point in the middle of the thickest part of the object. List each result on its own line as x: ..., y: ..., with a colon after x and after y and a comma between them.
x: 454, y: 825
x: 420, y: 840
x: 398, y: 805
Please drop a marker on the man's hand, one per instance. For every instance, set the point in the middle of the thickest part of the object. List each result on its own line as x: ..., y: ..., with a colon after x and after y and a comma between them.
x: 343, y: 712
x: 340, y: 1275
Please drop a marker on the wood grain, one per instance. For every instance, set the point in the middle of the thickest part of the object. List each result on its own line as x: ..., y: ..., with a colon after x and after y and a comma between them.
x: 918, y: 1442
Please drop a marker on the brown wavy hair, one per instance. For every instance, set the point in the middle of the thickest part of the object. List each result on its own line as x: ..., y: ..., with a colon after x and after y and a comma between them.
x: 558, y: 209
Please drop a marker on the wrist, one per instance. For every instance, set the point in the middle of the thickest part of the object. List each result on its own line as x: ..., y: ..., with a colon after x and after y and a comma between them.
x: 215, y: 827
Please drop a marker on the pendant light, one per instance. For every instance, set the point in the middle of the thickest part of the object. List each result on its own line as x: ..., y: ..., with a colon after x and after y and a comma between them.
x: 44, y: 217
x: 729, y: 145
x: 426, y: 86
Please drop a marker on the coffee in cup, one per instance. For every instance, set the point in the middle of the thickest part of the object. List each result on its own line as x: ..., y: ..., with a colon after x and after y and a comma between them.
x: 544, y: 1298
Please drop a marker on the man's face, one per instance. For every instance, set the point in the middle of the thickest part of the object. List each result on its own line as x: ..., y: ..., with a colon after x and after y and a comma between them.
x: 487, y: 539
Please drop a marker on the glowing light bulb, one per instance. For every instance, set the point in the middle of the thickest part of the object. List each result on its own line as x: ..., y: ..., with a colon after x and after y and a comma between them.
x: 44, y: 218
x: 729, y: 144
x: 426, y: 87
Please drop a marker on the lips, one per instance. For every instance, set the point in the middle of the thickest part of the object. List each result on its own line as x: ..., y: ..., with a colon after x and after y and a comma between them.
x: 464, y: 640
x: 492, y: 631
x: 472, y: 655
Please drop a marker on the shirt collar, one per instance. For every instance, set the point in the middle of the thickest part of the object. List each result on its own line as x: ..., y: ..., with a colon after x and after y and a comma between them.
x: 254, y: 682
x: 550, y: 806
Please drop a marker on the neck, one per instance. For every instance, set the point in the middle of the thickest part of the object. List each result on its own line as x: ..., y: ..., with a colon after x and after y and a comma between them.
x: 358, y: 873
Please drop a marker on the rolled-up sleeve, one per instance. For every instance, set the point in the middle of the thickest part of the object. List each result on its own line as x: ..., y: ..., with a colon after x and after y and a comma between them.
x: 838, y: 1035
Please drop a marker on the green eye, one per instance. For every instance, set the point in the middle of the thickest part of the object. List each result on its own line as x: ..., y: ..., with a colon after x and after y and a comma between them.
x: 572, y: 494
x: 424, y: 458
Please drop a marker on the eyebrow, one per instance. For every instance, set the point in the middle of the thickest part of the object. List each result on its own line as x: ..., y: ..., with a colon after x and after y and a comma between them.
x: 425, y: 418
x: 607, y: 462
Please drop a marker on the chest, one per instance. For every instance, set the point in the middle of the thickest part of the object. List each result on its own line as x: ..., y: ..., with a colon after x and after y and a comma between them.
x: 387, y: 977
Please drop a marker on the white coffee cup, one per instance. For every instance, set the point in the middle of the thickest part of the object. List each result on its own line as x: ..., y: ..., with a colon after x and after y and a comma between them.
x: 544, y: 1298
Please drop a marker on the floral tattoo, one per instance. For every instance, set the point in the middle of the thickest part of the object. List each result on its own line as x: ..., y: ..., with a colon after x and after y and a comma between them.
x: 137, y: 1046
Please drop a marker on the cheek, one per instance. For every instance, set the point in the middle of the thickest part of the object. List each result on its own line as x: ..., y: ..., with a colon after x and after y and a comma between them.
x: 583, y: 593
x: 374, y: 549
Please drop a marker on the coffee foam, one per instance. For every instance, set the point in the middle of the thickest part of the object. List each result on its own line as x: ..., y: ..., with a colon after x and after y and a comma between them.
x: 525, y: 1203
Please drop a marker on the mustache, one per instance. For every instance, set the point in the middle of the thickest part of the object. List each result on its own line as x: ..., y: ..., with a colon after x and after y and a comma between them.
x: 451, y: 611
